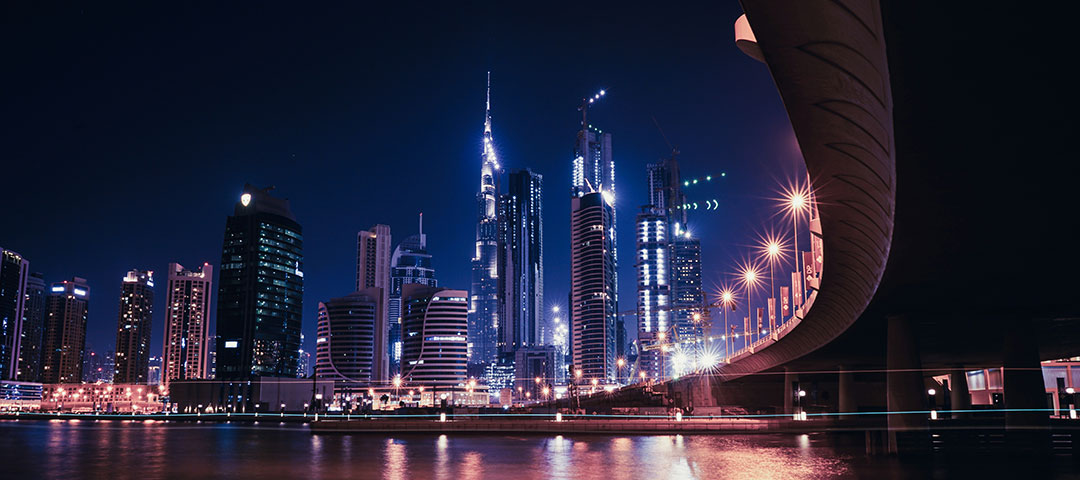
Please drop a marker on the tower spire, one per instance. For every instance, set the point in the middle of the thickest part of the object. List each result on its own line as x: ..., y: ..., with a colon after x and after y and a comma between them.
x: 487, y: 106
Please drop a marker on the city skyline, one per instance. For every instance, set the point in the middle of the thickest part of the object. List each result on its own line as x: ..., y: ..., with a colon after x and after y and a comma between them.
x: 331, y: 218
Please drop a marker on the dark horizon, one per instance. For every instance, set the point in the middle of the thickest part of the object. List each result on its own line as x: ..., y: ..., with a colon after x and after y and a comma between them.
x: 136, y: 129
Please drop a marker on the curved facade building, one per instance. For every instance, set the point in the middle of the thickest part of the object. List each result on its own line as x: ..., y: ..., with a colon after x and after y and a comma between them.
x: 346, y: 336
x: 434, y: 331
x: 593, y: 285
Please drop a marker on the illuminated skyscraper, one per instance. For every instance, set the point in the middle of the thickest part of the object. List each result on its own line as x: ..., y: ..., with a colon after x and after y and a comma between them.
x: 521, y: 262
x: 593, y: 303
x: 133, y: 327
x: 345, y: 337
x: 484, y: 295
x: 64, y: 340
x: 373, y: 271
x: 186, y: 353
x: 260, y: 291
x: 434, y: 325
x: 687, y: 296
x: 33, y: 329
x: 410, y: 263
x: 13, y: 273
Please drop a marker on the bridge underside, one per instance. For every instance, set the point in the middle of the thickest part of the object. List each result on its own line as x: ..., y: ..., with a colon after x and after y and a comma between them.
x: 932, y: 146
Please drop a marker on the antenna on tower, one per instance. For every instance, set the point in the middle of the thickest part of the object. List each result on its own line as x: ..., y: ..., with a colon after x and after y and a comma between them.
x: 421, y: 223
x: 487, y: 105
x: 674, y: 150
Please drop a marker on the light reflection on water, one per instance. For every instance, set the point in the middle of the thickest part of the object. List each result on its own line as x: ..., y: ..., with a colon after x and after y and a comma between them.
x: 36, y: 449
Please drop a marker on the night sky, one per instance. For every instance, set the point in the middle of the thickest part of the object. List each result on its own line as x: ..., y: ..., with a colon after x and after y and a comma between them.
x: 129, y: 133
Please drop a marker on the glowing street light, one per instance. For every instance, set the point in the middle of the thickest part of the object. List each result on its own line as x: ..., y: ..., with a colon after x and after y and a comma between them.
x: 796, y: 199
x: 748, y: 274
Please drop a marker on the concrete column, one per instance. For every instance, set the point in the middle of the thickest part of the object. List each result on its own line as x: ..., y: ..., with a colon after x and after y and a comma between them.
x: 1026, y: 431
x: 846, y: 393
x: 790, y: 379
x: 959, y: 395
x: 904, y: 388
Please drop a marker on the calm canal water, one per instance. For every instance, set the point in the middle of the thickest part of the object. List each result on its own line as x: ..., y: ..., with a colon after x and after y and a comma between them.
x: 115, y: 449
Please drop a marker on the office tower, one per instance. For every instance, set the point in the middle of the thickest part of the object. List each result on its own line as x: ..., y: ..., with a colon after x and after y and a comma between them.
x: 410, y: 263
x: 33, y: 328
x: 133, y: 327
x: 484, y: 295
x: 13, y: 272
x: 687, y: 295
x: 522, y: 263
x: 653, y: 274
x: 665, y: 189
x: 593, y: 304
x: 64, y: 340
x: 373, y: 271
x: 98, y: 366
x: 153, y: 373
x: 303, y: 366
x: 260, y: 291
x: 185, y: 353
x: 434, y: 326
x: 345, y: 337
x: 534, y: 369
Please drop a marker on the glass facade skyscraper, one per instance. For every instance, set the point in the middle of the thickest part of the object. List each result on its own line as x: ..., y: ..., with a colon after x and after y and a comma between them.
x: 410, y: 264
x: 33, y: 329
x: 260, y: 289
x: 521, y: 262
x: 593, y: 304
x: 133, y: 327
x: 13, y: 272
x: 484, y: 295
x: 64, y: 340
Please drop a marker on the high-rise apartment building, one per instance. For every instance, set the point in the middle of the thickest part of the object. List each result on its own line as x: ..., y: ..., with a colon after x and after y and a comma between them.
x: 435, y: 327
x: 64, y: 340
x: 186, y: 351
x: 593, y: 302
x: 373, y: 271
x: 260, y: 289
x: 33, y: 328
x: 133, y: 327
x: 484, y: 302
x: 521, y: 263
x: 14, y: 270
x: 687, y: 294
x: 410, y: 264
x: 345, y: 337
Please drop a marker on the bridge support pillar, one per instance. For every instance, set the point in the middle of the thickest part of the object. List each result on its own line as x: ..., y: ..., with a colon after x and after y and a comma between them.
x: 791, y: 380
x: 904, y: 389
x: 959, y: 396
x: 1027, y: 421
x: 846, y: 393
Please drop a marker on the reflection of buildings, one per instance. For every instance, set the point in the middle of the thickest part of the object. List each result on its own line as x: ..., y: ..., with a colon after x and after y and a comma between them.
x: 434, y: 332
x: 373, y: 271
x: 133, y: 327
x: 260, y: 290
x: 410, y: 263
x: 345, y: 339
x: 592, y: 286
x: 186, y: 353
x: 64, y: 339
x: 13, y: 276
x: 33, y: 329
